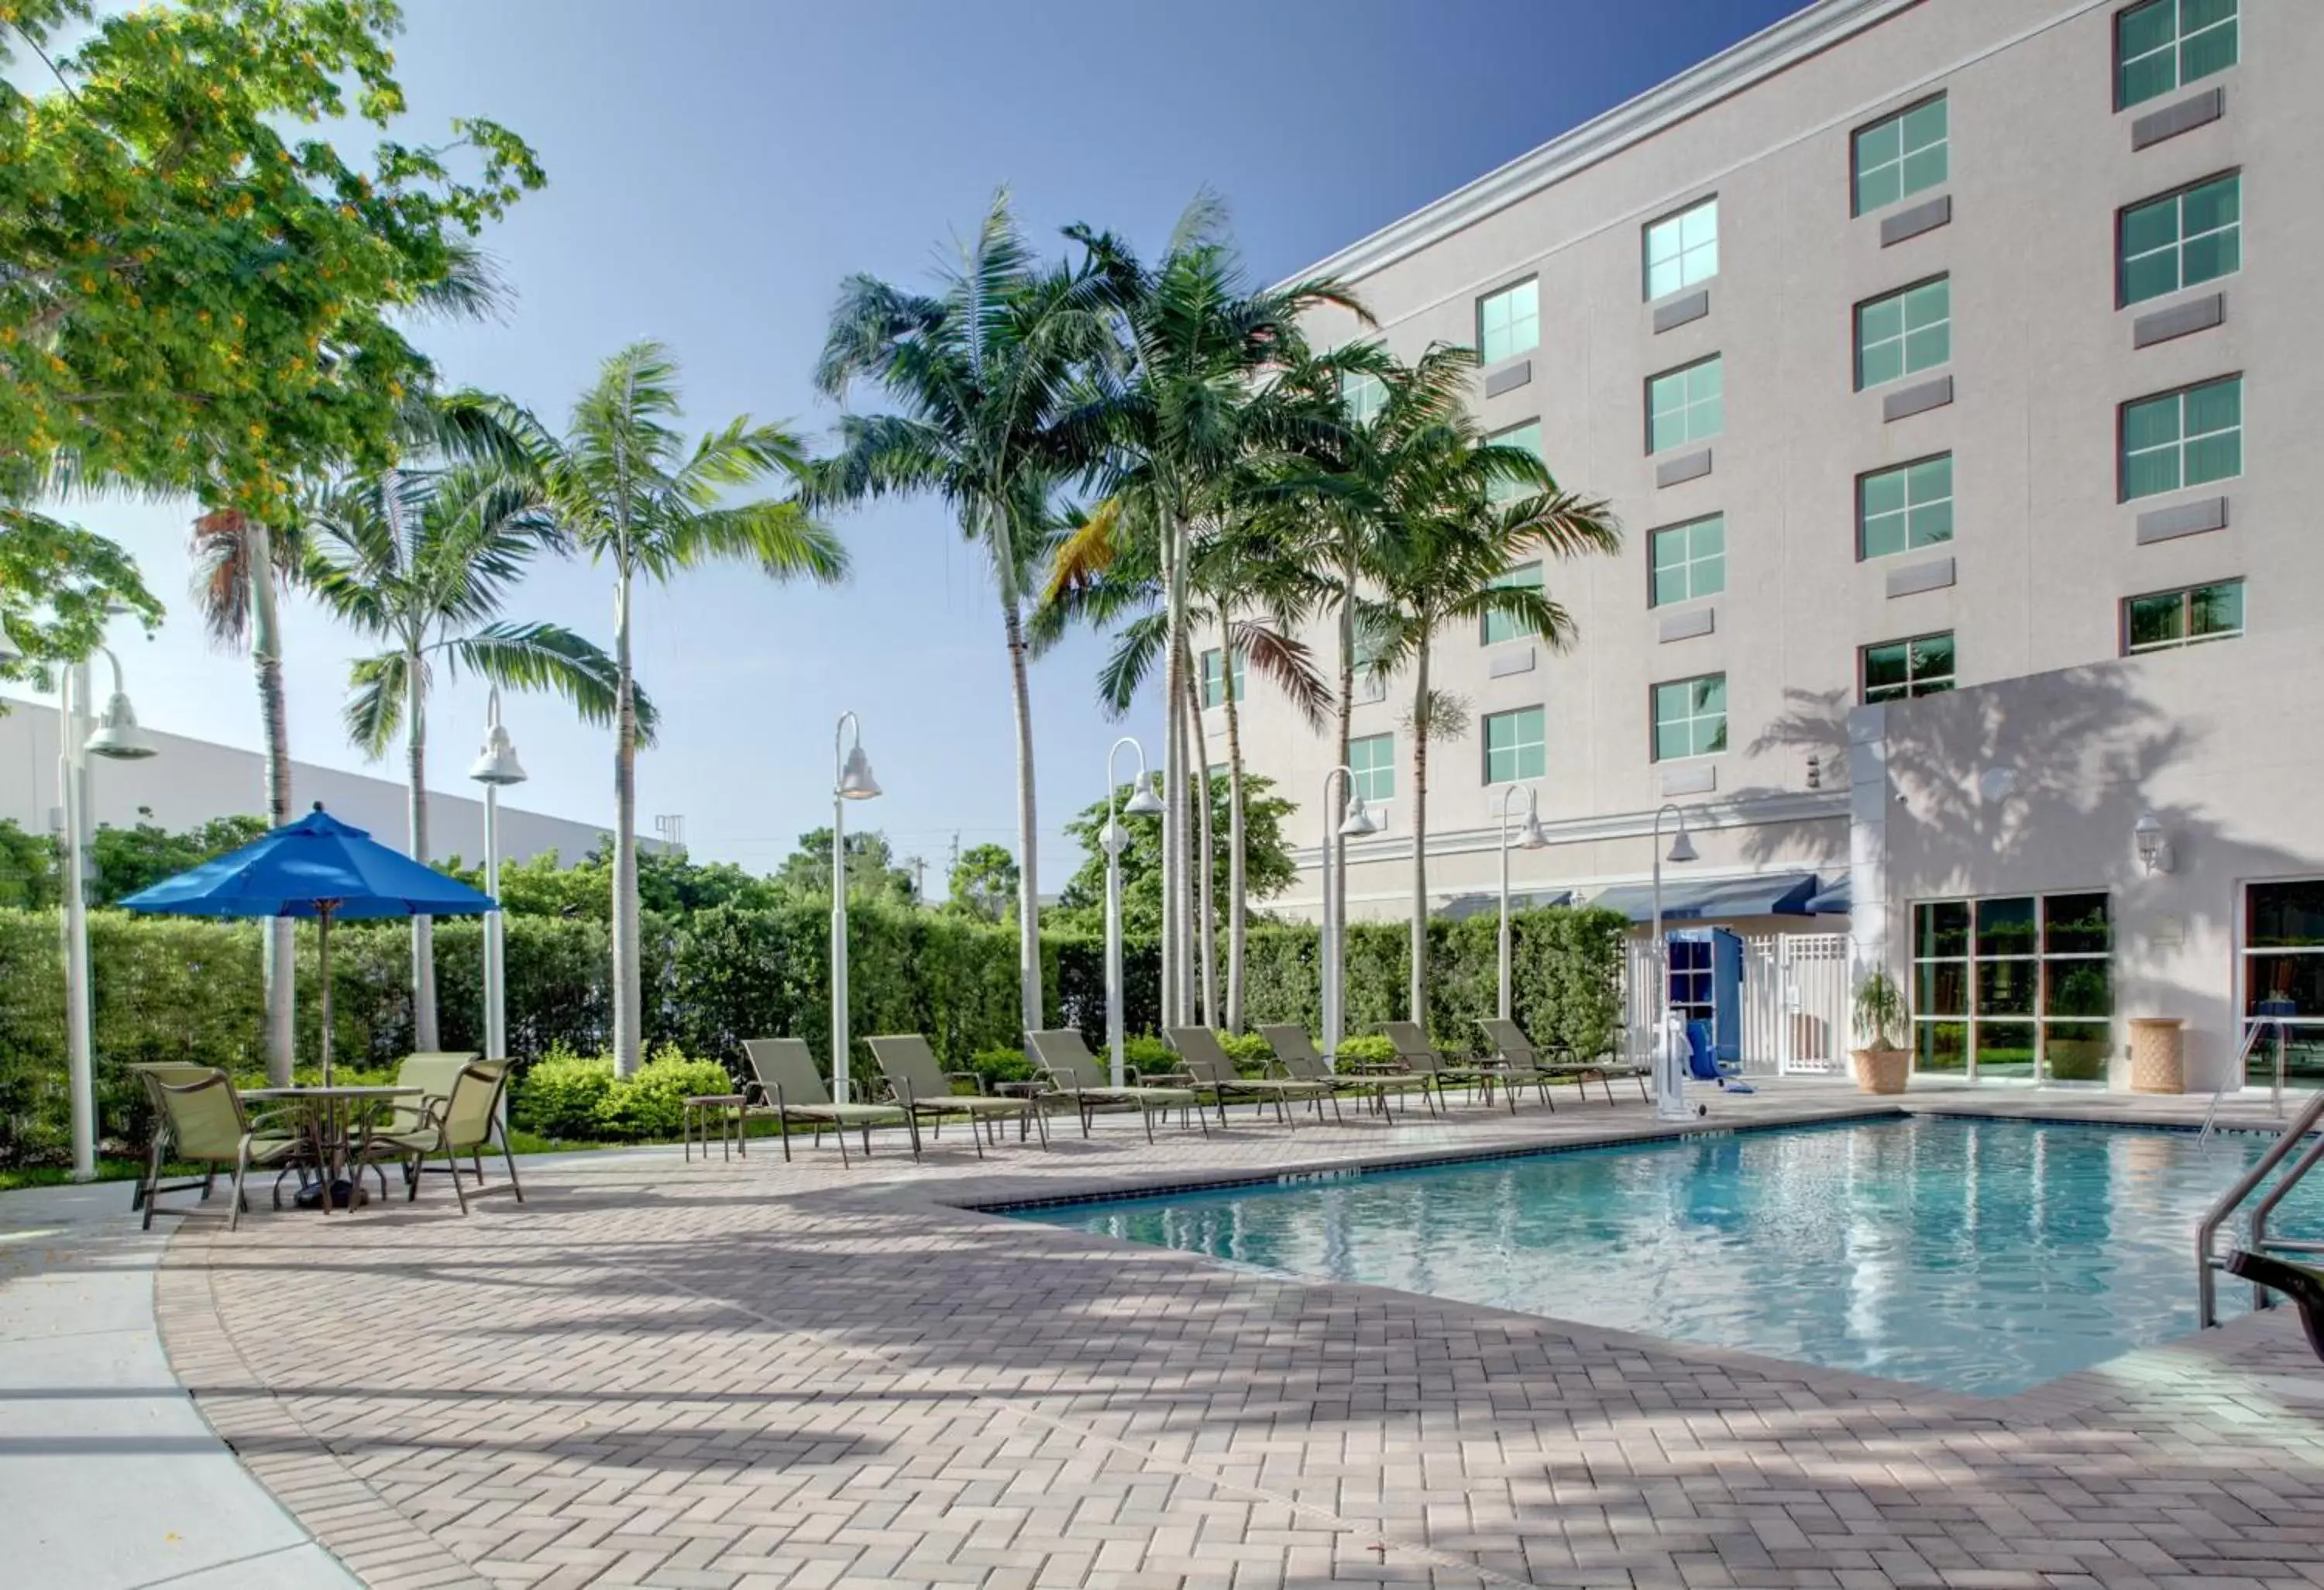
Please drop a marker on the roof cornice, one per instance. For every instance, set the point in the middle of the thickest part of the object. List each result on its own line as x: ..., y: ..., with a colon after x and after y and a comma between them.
x: 1758, y: 57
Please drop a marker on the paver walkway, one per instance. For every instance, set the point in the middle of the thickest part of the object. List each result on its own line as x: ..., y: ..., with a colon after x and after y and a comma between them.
x: 741, y: 1376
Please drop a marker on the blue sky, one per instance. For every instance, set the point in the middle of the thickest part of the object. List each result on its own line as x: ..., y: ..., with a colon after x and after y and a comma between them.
x: 715, y: 169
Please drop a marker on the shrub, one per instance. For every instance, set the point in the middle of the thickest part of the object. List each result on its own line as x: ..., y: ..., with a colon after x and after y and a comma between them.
x: 653, y: 1104
x: 994, y: 1066
x: 1146, y: 1055
x: 560, y: 1094
x: 1372, y: 1049
x: 1250, y: 1051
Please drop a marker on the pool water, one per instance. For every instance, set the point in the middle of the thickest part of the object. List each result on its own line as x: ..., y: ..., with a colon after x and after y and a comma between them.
x: 1983, y: 1256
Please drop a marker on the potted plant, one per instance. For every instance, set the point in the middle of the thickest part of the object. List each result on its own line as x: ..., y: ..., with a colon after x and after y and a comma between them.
x: 1880, y: 1067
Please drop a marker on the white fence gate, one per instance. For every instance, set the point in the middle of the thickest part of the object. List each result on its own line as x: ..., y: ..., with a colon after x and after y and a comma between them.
x: 1795, y: 1004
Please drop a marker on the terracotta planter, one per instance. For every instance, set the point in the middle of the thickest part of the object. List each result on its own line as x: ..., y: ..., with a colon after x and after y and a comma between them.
x: 2158, y: 1062
x: 1883, y: 1070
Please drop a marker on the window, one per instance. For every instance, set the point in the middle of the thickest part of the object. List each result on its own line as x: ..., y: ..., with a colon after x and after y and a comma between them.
x: 1691, y: 718
x: 1688, y: 561
x: 2021, y: 987
x: 2182, y: 438
x: 1899, y: 156
x: 2180, y: 239
x: 1515, y: 745
x: 1508, y: 322
x: 2167, y: 619
x: 1904, y: 333
x: 1371, y: 686
x: 1526, y: 436
x: 1686, y: 405
x: 2283, y: 974
x: 1214, y: 687
x: 1683, y: 249
x: 1364, y: 395
x: 1901, y: 669
x: 2165, y: 43
x: 1909, y: 507
x: 1372, y: 759
x: 1501, y: 626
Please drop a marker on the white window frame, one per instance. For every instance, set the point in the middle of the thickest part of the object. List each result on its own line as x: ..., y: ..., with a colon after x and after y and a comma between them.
x: 1905, y: 333
x: 1518, y: 748
x: 2175, y: 47
x: 1864, y: 520
x: 1971, y: 959
x: 1689, y: 405
x: 1696, y: 262
x: 2187, y: 638
x: 1857, y: 170
x: 1530, y: 320
x: 2180, y: 443
x: 2177, y: 197
x: 1365, y: 781
x: 1908, y: 691
x: 1524, y: 574
x: 1692, y: 717
x: 1691, y: 563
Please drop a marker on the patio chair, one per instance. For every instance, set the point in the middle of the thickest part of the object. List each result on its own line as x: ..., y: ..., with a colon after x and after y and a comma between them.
x: 1297, y: 1054
x: 199, y: 1116
x: 465, y: 1121
x: 922, y: 1087
x: 785, y: 1084
x: 1075, y: 1073
x: 2302, y: 1283
x: 1517, y: 1051
x: 1208, y: 1064
x: 1413, y: 1048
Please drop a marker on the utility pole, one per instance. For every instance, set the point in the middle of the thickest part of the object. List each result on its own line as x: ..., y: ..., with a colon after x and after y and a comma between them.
x: 919, y: 865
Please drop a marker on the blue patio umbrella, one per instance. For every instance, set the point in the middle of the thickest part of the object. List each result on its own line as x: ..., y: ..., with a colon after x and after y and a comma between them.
x: 318, y: 867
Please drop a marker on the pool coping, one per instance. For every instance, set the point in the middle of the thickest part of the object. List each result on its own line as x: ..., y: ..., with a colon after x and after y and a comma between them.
x: 2067, y: 1394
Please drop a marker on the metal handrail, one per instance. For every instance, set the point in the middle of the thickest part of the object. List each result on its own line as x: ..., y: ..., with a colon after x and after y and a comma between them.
x: 2206, y: 1233
x: 2240, y: 1070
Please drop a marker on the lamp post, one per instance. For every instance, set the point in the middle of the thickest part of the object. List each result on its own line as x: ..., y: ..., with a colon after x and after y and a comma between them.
x: 117, y: 736
x: 853, y: 781
x: 495, y: 768
x: 1532, y: 838
x: 1356, y: 823
x: 1670, y: 1069
x: 1114, y: 838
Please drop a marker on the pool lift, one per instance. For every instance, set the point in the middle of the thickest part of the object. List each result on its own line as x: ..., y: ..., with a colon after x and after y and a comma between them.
x: 2266, y: 1261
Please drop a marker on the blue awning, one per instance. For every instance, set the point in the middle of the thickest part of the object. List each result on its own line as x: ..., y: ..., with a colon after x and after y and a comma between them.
x: 1462, y: 907
x: 1833, y: 902
x: 1772, y: 895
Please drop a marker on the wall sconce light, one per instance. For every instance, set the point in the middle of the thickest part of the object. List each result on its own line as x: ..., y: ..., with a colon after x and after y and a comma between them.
x: 2154, y: 849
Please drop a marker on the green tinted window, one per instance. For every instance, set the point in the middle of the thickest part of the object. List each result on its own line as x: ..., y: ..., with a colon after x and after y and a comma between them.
x: 2166, y: 619
x: 1515, y: 747
x: 2182, y: 438
x: 2164, y: 43
x: 1685, y: 406
x: 1372, y: 759
x: 2181, y: 239
x: 1902, y: 332
x: 1901, y: 669
x: 1909, y: 507
x: 1501, y: 626
x: 1213, y: 680
x: 1683, y: 249
x: 1526, y: 436
x: 1365, y: 396
x: 1689, y: 561
x: 1899, y: 156
x: 1508, y: 322
x: 1691, y: 716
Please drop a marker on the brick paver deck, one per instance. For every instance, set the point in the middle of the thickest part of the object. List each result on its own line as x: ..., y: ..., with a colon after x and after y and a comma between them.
x: 740, y: 1375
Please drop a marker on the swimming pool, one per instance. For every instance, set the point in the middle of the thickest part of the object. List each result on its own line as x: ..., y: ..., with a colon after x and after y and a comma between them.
x: 1976, y: 1255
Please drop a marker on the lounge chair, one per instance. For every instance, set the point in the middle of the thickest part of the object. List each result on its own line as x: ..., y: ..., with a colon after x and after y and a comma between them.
x: 1075, y: 1073
x: 1208, y: 1064
x: 1413, y: 1048
x: 785, y: 1084
x: 465, y: 1121
x: 199, y: 1116
x: 922, y: 1089
x: 1517, y: 1051
x: 1296, y: 1053
x: 2302, y: 1283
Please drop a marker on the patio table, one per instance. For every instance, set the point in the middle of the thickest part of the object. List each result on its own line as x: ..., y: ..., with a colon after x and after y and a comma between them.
x: 329, y: 1118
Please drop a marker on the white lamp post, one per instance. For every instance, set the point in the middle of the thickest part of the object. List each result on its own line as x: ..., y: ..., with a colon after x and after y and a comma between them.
x: 1114, y: 838
x: 1356, y: 823
x: 1670, y: 1066
x: 853, y: 781
x: 495, y: 768
x: 117, y: 735
x: 1532, y: 838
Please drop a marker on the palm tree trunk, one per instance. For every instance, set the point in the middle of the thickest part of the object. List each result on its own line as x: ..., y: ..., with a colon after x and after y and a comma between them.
x: 424, y: 1036
x: 1338, y: 883
x: 280, y: 945
x: 1206, y: 883
x: 1420, y: 728
x: 1176, y: 989
x: 1238, y: 921
x: 629, y: 996
x: 1028, y: 888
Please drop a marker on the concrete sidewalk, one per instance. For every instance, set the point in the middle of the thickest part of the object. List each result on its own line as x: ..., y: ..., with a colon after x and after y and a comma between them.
x: 109, y: 1478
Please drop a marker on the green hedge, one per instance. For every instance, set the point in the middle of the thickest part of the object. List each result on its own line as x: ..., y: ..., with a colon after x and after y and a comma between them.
x: 187, y: 989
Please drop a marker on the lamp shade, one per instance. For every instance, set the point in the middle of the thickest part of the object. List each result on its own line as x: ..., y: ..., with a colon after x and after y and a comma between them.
x: 1531, y: 836
x: 497, y: 763
x: 1681, y: 847
x: 1143, y: 799
x: 855, y: 779
x: 117, y: 735
x: 1359, y: 821
x: 1115, y: 837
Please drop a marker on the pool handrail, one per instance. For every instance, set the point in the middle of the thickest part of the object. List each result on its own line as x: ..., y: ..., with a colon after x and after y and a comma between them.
x: 2206, y: 1233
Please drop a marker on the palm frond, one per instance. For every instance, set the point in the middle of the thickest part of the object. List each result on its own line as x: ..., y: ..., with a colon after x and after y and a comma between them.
x: 1287, y: 665
x: 550, y: 658
x: 378, y: 689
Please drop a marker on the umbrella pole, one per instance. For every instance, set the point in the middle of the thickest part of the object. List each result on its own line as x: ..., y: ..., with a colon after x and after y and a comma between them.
x: 323, y: 958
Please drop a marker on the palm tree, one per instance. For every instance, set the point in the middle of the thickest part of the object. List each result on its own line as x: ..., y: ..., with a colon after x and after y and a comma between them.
x: 423, y: 563
x: 979, y: 372
x: 1454, y: 516
x: 630, y: 491
x: 1201, y: 401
